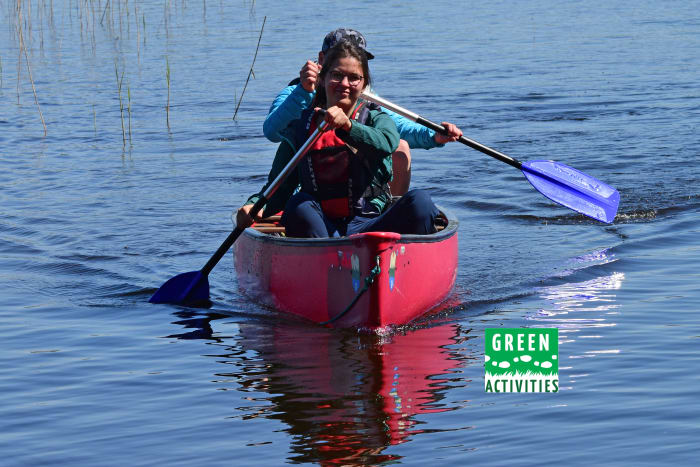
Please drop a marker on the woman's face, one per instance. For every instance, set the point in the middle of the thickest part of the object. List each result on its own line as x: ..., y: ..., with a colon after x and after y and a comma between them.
x: 343, y: 83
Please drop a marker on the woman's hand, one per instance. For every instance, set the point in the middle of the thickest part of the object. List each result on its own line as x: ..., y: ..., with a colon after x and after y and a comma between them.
x: 309, y: 75
x: 336, y: 118
x: 453, y: 134
x: 244, y: 218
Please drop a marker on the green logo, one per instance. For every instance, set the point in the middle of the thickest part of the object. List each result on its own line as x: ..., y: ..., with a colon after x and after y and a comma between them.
x: 521, y: 360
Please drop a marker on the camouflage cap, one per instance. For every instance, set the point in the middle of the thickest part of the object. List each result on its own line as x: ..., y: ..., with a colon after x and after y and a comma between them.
x: 334, y: 37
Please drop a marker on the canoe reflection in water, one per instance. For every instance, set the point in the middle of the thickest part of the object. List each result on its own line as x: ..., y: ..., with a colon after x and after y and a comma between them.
x: 345, y: 397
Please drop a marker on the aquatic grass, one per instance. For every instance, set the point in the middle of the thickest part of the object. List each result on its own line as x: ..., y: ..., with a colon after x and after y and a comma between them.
x: 166, y: 6
x: 128, y: 96
x: 138, y: 34
x: 37, y: 23
x: 90, y: 27
x: 120, y: 79
x: 104, y: 12
x: 167, y: 104
x: 23, y: 50
x: 250, y: 72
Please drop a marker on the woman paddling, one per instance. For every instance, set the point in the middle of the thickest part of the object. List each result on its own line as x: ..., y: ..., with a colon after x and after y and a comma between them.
x: 299, y: 94
x: 344, y: 177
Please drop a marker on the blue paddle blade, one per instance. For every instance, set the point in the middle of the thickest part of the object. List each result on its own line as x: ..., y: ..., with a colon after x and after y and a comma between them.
x: 573, y: 189
x: 189, y: 287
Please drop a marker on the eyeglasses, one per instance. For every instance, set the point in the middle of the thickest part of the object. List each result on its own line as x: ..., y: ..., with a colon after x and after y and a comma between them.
x: 337, y: 77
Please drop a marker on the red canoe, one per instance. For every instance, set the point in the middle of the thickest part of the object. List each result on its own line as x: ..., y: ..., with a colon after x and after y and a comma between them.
x: 318, y: 279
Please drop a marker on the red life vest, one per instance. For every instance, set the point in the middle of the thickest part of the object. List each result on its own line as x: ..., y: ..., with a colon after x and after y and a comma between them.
x: 337, y: 174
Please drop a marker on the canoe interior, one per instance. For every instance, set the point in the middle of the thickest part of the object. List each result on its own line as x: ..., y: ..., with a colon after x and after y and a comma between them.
x: 271, y: 225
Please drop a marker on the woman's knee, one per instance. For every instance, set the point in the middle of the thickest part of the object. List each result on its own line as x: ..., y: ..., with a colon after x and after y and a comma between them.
x: 419, y: 200
x: 299, y: 203
x: 420, y: 208
x: 302, y: 217
x: 401, y: 158
x: 401, y: 162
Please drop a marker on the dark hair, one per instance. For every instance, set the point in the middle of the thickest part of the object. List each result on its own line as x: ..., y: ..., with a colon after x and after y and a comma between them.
x: 342, y: 49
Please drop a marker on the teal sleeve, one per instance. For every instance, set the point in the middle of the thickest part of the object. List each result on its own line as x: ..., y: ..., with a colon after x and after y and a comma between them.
x: 417, y: 136
x: 286, y: 108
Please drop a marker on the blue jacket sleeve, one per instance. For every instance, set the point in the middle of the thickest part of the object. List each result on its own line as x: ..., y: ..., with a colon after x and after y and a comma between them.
x: 417, y: 136
x: 286, y: 108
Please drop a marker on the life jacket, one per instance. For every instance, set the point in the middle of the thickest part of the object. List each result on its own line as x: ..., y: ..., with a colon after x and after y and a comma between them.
x: 338, y: 175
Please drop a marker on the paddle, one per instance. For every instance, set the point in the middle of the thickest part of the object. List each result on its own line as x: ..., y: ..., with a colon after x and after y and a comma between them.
x: 193, y: 287
x: 558, y: 182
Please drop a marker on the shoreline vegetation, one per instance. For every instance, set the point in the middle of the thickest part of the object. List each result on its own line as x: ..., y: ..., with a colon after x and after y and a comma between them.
x: 37, y: 28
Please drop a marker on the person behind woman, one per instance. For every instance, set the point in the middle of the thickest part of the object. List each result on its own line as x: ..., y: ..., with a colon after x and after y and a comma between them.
x: 344, y: 176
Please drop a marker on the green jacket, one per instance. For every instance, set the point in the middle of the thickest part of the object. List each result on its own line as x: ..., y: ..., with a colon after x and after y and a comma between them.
x: 376, y: 140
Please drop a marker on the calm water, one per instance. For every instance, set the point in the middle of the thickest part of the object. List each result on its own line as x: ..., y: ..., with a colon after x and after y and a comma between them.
x: 90, y: 373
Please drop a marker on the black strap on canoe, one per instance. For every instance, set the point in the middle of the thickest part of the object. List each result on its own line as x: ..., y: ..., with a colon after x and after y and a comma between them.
x: 369, y: 280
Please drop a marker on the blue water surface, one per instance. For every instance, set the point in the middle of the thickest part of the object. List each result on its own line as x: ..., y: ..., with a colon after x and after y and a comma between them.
x: 142, y: 164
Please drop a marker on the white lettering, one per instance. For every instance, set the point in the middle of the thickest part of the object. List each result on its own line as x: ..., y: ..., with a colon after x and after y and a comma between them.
x: 496, y: 342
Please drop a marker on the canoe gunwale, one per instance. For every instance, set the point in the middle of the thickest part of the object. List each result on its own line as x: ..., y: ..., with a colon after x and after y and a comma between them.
x: 448, y: 231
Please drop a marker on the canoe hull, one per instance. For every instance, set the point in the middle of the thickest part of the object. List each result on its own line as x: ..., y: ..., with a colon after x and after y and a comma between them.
x: 318, y: 278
